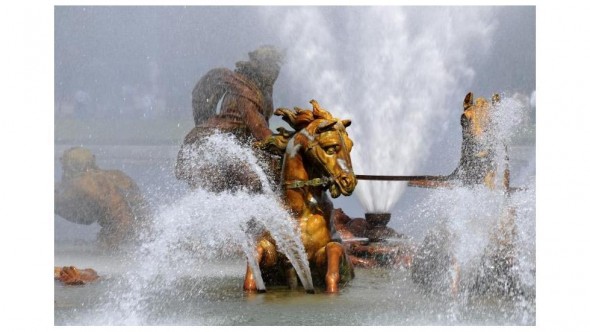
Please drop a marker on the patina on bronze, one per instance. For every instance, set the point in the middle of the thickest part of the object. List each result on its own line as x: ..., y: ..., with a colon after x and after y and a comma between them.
x: 434, y: 258
x: 316, y: 159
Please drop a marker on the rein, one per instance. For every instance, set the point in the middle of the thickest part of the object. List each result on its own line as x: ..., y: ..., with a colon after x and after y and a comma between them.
x: 317, y: 182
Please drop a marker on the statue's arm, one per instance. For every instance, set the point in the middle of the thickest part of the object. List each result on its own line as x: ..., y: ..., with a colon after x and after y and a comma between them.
x: 255, y: 120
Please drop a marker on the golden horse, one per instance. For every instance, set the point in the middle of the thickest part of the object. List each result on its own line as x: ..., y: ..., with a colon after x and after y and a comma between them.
x: 316, y: 158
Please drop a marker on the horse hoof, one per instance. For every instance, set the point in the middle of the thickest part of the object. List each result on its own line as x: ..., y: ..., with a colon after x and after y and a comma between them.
x: 310, y: 291
x: 332, y: 290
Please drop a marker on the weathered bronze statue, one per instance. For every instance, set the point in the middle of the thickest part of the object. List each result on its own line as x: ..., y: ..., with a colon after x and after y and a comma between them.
x: 316, y: 158
x: 88, y: 194
x: 239, y: 103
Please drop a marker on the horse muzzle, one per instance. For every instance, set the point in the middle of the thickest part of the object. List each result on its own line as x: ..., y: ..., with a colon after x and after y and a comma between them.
x: 345, y: 184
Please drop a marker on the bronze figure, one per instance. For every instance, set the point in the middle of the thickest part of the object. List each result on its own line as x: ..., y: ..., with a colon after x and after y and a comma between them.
x: 88, y: 194
x: 239, y: 103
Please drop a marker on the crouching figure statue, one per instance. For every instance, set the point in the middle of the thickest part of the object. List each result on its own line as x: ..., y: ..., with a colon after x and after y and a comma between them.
x: 88, y: 194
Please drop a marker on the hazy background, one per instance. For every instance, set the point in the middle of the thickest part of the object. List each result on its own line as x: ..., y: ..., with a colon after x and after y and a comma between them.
x: 124, y: 76
x: 142, y: 62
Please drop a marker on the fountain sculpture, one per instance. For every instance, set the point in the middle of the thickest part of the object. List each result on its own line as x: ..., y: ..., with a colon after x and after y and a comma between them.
x: 316, y: 157
x: 477, y: 166
x: 316, y: 160
x: 88, y: 194
x: 239, y: 103
x: 173, y: 279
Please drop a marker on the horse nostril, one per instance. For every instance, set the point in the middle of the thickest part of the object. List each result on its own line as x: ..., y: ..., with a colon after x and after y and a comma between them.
x: 347, y: 180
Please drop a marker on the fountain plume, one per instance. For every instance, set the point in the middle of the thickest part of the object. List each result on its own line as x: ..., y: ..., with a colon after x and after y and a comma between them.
x: 405, y: 84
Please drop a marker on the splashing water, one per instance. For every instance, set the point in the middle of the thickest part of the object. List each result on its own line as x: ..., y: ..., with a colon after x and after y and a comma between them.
x: 470, y: 225
x: 486, y: 230
x: 200, y: 230
x: 413, y: 65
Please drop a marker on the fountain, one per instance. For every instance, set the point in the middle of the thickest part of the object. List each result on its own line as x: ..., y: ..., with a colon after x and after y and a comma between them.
x: 181, y: 260
x: 189, y: 270
x: 437, y: 264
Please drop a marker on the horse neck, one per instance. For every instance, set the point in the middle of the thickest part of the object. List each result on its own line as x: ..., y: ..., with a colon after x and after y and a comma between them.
x: 297, y: 199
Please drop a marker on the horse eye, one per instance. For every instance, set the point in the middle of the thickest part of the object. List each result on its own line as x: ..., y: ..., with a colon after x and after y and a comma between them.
x: 330, y: 149
x: 464, y: 121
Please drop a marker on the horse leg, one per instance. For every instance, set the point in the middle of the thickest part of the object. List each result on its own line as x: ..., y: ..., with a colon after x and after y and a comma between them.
x: 455, y: 273
x: 330, y: 257
x: 266, y: 255
x: 292, y: 277
x: 249, y: 280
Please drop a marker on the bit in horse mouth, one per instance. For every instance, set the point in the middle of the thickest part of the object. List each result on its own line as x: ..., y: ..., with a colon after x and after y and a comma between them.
x: 337, y: 189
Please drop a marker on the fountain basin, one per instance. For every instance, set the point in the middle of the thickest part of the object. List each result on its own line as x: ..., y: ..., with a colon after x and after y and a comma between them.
x: 377, y: 219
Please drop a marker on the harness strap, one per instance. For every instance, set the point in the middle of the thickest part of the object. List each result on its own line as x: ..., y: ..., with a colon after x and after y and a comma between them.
x: 317, y: 182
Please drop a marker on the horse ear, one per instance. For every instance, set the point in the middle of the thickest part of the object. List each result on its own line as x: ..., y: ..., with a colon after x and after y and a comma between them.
x: 495, y: 99
x: 468, y: 102
x: 346, y: 122
x: 325, y: 125
x: 318, y: 112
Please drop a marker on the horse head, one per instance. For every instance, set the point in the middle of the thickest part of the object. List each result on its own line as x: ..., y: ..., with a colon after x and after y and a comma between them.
x: 478, y: 164
x: 476, y: 117
x: 323, y: 143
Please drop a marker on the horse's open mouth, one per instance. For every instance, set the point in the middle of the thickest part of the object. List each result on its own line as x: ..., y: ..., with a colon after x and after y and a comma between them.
x: 336, y: 189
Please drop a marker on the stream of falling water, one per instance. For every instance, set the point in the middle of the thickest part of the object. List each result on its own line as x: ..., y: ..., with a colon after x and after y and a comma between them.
x: 205, y: 227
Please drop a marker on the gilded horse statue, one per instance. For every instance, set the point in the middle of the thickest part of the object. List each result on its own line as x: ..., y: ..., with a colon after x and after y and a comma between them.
x: 316, y: 158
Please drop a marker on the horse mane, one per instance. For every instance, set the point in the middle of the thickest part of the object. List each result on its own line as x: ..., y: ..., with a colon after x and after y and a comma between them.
x: 298, y: 120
